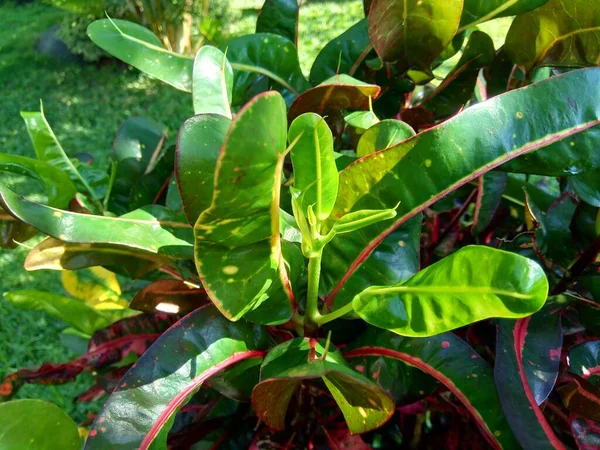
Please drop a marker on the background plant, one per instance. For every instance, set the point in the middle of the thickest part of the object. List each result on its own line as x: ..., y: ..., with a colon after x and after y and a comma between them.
x: 338, y: 237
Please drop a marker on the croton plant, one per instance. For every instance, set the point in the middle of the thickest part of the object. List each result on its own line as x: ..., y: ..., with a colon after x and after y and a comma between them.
x: 400, y: 251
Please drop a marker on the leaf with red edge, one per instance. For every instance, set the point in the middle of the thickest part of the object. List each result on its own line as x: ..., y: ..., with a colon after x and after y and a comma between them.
x: 453, y: 363
x: 107, y: 346
x: 581, y: 398
x: 584, y: 360
x: 489, y: 196
x: 142, y: 409
x: 170, y: 296
x: 586, y: 433
x: 527, y: 363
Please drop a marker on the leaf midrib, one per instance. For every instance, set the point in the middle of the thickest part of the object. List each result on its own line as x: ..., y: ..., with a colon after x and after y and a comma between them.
x: 447, y: 290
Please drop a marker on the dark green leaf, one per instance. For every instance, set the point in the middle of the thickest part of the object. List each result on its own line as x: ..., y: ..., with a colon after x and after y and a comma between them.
x: 453, y: 363
x: 586, y: 433
x: 587, y: 187
x: 199, y: 346
x: 491, y: 188
x: 152, y: 229
x: 36, y: 424
x: 212, y: 86
x: 560, y: 33
x: 584, y: 360
x: 13, y: 230
x: 364, y: 405
x: 139, y: 47
x: 382, y: 135
x: 527, y: 364
x: 152, y: 187
x: 279, y: 17
x: 429, y: 166
x: 315, y: 174
x: 198, y: 145
x: 473, y: 284
x: 479, y: 11
x: 170, y: 296
x: 413, y: 33
x: 238, y: 247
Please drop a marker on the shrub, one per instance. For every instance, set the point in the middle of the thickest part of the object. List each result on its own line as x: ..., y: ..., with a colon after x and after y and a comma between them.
x: 351, y: 261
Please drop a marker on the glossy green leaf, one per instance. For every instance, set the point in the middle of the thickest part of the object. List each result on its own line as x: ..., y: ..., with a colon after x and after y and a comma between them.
x: 36, y: 424
x: 500, y: 74
x: 170, y: 296
x: 315, y: 174
x: 452, y: 362
x: 139, y: 47
x: 456, y: 291
x: 52, y: 254
x: 163, y: 379
x: 72, y: 311
x: 364, y: 405
x: 560, y: 33
x: 237, y: 242
x: 587, y: 187
x: 48, y: 149
x: 429, y: 166
x: 266, y: 54
x: 458, y: 87
x: 479, y: 11
x: 198, y: 145
x: 57, y: 184
x: 382, y: 135
x: 527, y: 365
x: 136, y: 149
x: 342, y: 55
x: 489, y: 195
x: 152, y: 187
x: 212, y: 85
x: 412, y: 32
x: 584, y: 360
x: 152, y: 229
x: 359, y: 219
x: 362, y: 120
x: 279, y: 17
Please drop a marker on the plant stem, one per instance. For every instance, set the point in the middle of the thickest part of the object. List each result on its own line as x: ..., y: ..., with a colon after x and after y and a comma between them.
x: 312, y: 298
x: 323, y: 319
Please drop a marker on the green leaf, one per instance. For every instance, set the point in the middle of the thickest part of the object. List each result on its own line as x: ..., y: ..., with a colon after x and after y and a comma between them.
x: 587, y: 187
x: 560, y: 33
x: 359, y: 219
x: 473, y: 284
x: 362, y: 120
x: 152, y: 229
x: 198, y: 145
x: 315, y: 174
x: 72, y: 311
x: 139, y: 47
x: 527, y: 365
x: 36, y: 424
x: 170, y: 296
x: 421, y: 170
x: 52, y: 254
x: 479, y: 11
x: 489, y: 196
x: 458, y: 87
x: 48, y: 149
x: 163, y: 380
x: 212, y: 86
x: 364, y: 405
x: 412, y: 32
x: 137, y: 147
x: 584, y: 360
x: 342, y: 55
x: 152, y: 187
x: 237, y: 242
x: 264, y: 54
x: 279, y: 17
x: 58, y: 186
x: 382, y: 135
x: 453, y: 363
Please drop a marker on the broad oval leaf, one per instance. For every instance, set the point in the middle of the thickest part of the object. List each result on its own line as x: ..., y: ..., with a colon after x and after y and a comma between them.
x: 382, y: 135
x: 315, y: 173
x: 36, y: 424
x: 169, y: 296
x: 139, y: 47
x: 452, y: 362
x: 479, y: 11
x: 152, y: 229
x: 279, y: 17
x: 198, y: 144
x: 413, y: 33
x: 560, y: 33
x: 364, y: 405
x: 237, y: 241
x: 207, y: 342
x: 344, y: 54
x: 212, y: 85
x: 527, y: 364
x: 473, y: 284
x: 429, y: 166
